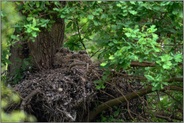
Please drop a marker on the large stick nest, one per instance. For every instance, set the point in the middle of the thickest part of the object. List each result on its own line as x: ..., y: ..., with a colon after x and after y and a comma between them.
x: 67, y: 93
x: 57, y: 94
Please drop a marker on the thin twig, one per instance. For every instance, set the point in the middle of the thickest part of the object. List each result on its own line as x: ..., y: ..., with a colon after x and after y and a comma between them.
x: 28, y: 97
x: 80, y: 38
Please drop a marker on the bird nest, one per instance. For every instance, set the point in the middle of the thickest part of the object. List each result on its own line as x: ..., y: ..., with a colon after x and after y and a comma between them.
x: 67, y: 92
x: 57, y: 94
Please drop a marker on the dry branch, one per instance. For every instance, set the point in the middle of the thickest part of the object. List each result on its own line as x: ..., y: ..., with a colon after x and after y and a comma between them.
x: 122, y: 99
x: 168, y: 117
x: 144, y: 78
x: 146, y: 64
x: 28, y: 97
x: 142, y: 64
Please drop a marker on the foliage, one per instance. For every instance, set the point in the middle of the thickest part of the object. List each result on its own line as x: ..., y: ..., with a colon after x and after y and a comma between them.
x: 8, y: 8
x: 136, y: 31
x: 8, y: 97
x: 100, y: 84
x: 170, y: 103
x: 119, y: 33
x: 23, y: 27
x: 111, y: 118
x: 37, y: 16
x: 116, y: 33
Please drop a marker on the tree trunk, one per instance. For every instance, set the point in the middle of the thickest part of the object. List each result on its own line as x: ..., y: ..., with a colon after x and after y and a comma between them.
x: 46, y: 44
x: 41, y: 51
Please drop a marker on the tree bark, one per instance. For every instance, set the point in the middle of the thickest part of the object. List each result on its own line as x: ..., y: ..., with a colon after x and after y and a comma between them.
x: 46, y: 44
x: 41, y: 51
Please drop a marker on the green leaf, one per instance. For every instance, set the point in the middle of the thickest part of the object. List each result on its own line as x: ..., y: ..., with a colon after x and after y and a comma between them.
x: 132, y: 2
x: 34, y: 34
x: 29, y: 18
x: 149, y: 77
x: 34, y: 22
x: 128, y: 34
x: 14, y: 37
x: 115, y: 41
x: 167, y: 65
x: 103, y: 64
x: 28, y: 30
x: 165, y: 83
x: 90, y: 17
x: 118, y: 5
x: 111, y: 57
x: 104, y: 16
x: 165, y: 58
x: 110, y: 44
x: 155, y: 37
x: 135, y: 58
x: 37, y: 4
x: 55, y: 9
x: 96, y: 23
x: 152, y: 29
x: 178, y: 58
x: 69, y: 24
x: 156, y: 86
x: 116, y: 113
x: 98, y: 87
x: 35, y: 29
x: 133, y: 12
x: 62, y: 16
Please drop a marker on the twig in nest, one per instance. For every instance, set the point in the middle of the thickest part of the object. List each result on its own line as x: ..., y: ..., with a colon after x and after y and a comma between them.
x: 77, y: 63
x: 73, y: 118
x: 28, y: 97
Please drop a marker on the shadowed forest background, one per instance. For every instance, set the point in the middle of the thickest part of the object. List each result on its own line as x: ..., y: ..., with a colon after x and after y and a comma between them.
x: 97, y: 61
